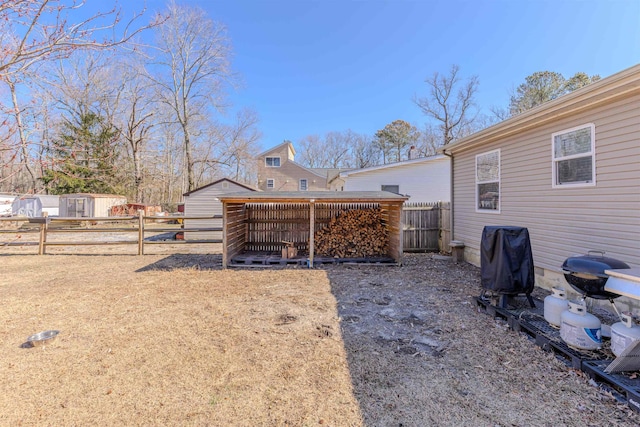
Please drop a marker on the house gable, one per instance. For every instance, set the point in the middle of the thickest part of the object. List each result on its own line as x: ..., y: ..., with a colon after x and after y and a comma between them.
x: 286, y: 174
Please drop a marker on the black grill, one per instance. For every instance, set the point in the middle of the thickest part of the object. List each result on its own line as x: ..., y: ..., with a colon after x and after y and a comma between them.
x: 586, y: 274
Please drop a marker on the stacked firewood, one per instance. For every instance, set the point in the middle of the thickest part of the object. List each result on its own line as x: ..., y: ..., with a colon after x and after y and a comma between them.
x: 353, y: 234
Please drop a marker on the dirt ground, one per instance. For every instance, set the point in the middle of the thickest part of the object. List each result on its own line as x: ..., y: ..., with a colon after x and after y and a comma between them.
x: 172, y: 339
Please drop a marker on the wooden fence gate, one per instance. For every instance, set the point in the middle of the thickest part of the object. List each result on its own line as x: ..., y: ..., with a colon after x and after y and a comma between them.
x: 426, y: 227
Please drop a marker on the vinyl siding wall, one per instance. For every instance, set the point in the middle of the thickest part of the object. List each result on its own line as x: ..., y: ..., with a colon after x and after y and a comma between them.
x: 423, y: 182
x: 287, y: 178
x: 562, y: 221
x: 202, y: 203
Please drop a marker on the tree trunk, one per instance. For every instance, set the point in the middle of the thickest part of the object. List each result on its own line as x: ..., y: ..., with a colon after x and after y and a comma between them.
x: 188, y: 159
x: 24, y: 144
x: 137, y: 174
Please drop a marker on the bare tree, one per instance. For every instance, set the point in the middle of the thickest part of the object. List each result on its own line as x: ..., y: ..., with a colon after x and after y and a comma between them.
x: 135, y: 121
x: 312, y: 153
x: 449, y: 103
x: 334, y: 150
x: 241, y: 141
x: 428, y: 142
x: 364, y: 152
x: 194, y: 63
x: 33, y: 31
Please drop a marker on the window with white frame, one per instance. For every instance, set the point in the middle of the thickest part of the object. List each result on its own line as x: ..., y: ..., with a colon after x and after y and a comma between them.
x: 303, y: 185
x: 573, y: 152
x: 488, y: 181
x: 272, y: 162
x: 271, y: 183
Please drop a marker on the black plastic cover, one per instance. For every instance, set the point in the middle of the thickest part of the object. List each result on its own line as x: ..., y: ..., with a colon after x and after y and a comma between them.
x: 506, y: 260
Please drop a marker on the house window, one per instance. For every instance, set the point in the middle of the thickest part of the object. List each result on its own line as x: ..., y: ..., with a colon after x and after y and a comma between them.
x: 271, y: 183
x: 391, y: 188
x: 574, y: 156
x: 303, y: 185
x: 488, y: 182
x: 272, y: 162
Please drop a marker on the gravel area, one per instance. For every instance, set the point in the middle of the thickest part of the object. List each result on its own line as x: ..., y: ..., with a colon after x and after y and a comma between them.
x: 421, y: 353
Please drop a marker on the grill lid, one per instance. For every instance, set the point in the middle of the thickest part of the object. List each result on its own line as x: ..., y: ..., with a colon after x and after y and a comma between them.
x: 594, y: 263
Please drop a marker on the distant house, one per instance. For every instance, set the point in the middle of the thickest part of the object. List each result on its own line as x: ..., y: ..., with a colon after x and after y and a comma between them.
x: 426, y: 179
x: 204, y: 201
x: 81, y: 205
x: 278, y: 171
x: 568, y: 170
x: 35, y: 205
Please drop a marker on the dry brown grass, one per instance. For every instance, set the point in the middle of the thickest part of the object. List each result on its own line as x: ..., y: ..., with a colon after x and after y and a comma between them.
x: 147, y: 347
x: 175, y: 340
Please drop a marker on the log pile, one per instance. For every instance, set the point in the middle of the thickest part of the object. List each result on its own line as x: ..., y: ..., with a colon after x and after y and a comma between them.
x: 353, y: 234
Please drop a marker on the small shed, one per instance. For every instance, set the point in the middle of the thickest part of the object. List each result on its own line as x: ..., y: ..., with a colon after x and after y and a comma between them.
x: 35, y: 205
x: 205, y: 202
x: 264, y: 223
x: 6, y: 201
x: 87, y: 205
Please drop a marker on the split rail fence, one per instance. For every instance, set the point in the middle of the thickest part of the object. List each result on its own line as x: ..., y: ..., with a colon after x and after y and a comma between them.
x: 425, y: 229
x: 137, y: 230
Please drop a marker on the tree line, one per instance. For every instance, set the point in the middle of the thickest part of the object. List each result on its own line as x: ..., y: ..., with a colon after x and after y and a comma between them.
x: 136, y: 107
x: 97, y: 104
x: 450, y: 111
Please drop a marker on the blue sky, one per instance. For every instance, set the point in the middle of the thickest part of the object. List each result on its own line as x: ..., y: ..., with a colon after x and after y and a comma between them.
x: 311, y: 67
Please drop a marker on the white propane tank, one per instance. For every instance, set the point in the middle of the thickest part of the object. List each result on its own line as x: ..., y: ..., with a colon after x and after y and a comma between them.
x: 623, y: 334
x: 580, y: 329
x: 554, y: 305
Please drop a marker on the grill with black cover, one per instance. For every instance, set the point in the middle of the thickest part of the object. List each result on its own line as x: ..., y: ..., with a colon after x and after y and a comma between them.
x: 506, y: 262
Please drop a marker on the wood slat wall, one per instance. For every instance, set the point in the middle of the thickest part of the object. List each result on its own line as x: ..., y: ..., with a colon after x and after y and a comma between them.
x: 235, y: 231
x: 271, y: 224
x: 263, y: 227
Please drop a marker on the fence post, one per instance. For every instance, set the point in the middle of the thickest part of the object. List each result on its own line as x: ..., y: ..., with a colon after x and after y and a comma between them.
x: 44, y: 225
x: 312, y: 230
x: 140, y: 232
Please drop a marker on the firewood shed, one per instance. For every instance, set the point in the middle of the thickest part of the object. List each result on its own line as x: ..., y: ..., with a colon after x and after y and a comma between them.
x: 258, y: 225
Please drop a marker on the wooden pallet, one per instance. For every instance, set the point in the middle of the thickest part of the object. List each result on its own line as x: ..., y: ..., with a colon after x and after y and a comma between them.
x: 624, y: 387
x: 268, y: 259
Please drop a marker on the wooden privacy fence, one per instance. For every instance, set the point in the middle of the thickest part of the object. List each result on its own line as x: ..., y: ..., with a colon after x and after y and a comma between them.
x: 426, y: 227
x: 269, y: 225
x: 140, y: 228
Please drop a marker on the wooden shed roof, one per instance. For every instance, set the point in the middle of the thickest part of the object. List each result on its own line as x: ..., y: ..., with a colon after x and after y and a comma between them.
x: 317, y: 196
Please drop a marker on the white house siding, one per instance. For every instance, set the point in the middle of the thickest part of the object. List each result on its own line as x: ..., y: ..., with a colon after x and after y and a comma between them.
x: 561, y: 221
x: 202, y: 202
x: 423, y: 182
